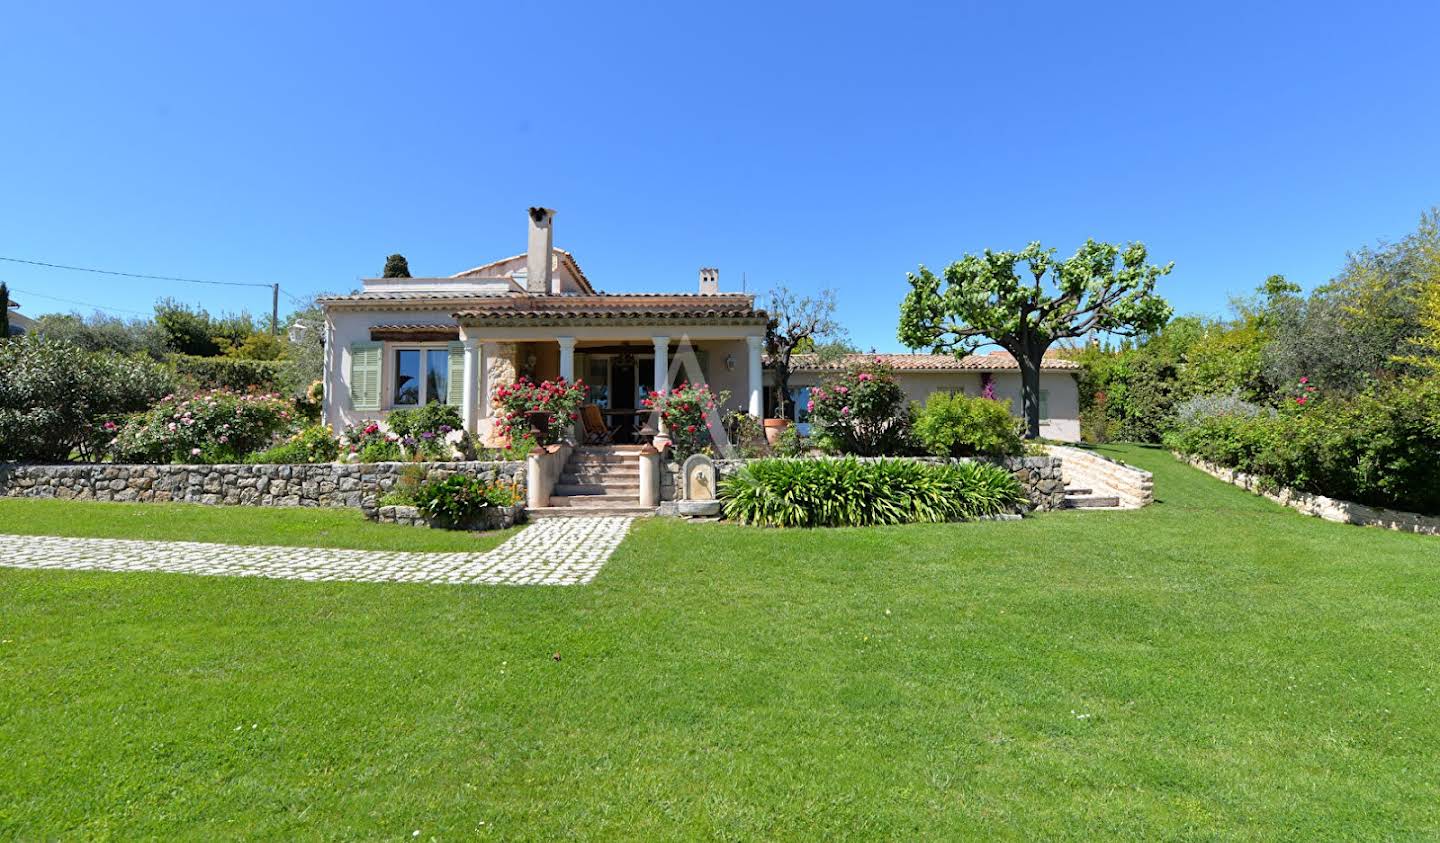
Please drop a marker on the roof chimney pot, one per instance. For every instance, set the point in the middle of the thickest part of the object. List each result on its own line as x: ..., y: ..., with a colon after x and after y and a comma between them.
x: 709, y: 281
x: 540, y: 256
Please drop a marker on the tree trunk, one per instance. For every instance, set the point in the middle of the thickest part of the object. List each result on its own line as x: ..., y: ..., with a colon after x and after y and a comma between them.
x: 1030, y: 355
x: 782, y: 385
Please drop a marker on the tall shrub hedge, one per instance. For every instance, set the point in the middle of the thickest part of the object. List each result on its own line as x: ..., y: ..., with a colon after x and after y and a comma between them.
x: 1380, y: 448
x: 232, y: 373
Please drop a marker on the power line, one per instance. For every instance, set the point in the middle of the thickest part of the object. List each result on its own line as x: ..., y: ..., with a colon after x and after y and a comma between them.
x: 137, y: 274
x: 81, y: 303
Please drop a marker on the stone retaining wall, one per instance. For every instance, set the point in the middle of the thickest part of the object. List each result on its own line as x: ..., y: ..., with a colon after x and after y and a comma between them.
x: 490, y: 518
x: 325, y: 484
x: 1040, y: 477
x: 1135, y: 488
x: 1330, y: 509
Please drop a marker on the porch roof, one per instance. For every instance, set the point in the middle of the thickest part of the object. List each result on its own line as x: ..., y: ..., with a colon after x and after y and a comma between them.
x: 632, y: 308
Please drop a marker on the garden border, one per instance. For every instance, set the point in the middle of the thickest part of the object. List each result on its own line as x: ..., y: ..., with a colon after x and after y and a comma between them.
x: 1320, y: 506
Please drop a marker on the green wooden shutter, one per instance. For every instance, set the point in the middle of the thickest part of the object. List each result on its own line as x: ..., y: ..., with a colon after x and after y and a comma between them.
x: 455, y: 386
x: 365, y: 375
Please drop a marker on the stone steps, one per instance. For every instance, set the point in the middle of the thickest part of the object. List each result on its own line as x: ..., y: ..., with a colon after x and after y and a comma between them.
x: 609, y: 487
x: 597, y: 480
x: 1092, y: 502
x: 633, y: 510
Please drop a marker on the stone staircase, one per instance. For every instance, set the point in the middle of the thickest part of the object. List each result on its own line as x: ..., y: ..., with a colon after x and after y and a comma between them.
x: 1077, y: 497
x: 597, y: 480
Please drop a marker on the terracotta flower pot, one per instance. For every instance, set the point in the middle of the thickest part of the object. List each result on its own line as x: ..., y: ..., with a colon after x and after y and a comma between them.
x: 773, y: 429
x: 539, y: 425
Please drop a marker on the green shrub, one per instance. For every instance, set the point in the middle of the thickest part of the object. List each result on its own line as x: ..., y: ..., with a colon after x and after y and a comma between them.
x: 851, y: 493
x: 314, y: 444
x: 229, y: 373
x: 791, y: 443
x: 381, y: 452
x: 862, y: 411
x: 950, y: 424
x: 56, y: 398
x: 1380, y: 448
x: 458, y: 499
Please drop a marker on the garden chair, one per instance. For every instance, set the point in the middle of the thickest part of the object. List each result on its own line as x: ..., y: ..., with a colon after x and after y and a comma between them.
x: 596, y: 433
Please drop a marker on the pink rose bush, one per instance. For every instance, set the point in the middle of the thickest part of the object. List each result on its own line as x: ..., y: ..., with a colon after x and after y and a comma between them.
x: 559, y: 399
x: 861, y: 411
x: 216, y: 426
x: 684, y: 411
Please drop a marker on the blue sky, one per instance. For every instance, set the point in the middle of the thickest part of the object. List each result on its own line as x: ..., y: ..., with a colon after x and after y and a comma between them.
x: 829, y: 145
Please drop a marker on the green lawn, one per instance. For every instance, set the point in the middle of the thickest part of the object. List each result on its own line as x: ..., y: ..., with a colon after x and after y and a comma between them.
x: 1212, y: 667
x: 287, y: 526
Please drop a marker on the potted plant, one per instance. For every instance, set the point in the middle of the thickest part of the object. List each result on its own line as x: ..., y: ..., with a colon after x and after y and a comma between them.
x: 541, y: 412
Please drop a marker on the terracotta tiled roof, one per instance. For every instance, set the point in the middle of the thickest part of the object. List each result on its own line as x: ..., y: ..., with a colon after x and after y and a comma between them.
x: 995, y: 360
x: 616, y: 308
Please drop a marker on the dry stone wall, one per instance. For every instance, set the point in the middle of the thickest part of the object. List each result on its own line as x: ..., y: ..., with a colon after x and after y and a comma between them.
x: 326, y: 484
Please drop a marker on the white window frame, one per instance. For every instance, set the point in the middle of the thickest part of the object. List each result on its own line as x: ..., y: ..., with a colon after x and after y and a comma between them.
x: 392, y: 370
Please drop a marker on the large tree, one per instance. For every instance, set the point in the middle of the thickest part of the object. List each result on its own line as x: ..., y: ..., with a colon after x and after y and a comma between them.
x: 797, y: 324
x: 1101, y: 288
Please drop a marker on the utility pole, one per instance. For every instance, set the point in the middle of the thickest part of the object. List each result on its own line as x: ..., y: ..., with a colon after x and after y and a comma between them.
x: 275, y: 309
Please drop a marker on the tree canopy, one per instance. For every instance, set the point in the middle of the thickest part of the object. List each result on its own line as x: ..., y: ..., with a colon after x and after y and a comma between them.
x: 1102, y: 288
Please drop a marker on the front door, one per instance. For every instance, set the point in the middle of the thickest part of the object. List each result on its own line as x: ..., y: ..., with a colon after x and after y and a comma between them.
x: 622, y: 397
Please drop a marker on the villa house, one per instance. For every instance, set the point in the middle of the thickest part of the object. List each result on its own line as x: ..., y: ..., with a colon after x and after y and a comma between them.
x: 19, y: 323
x: 404, y: 342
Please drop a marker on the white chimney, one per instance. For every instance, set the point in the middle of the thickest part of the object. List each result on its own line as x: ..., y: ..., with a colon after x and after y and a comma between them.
x: 541, y: 252
x: 709, y: 281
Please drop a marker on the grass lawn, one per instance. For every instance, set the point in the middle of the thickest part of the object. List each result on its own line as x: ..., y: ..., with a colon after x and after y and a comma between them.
x: 283, y: 526
x: 1212, y: 667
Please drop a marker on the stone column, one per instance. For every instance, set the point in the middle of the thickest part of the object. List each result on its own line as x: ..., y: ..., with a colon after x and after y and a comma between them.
x: 468, y: 392
x: 757, y: 377
x: 662, y: 363
x: 567, y: 358
x: 662, y: 374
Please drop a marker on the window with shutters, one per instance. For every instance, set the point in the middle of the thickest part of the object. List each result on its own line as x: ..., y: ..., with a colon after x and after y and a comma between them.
x: 422, y: 375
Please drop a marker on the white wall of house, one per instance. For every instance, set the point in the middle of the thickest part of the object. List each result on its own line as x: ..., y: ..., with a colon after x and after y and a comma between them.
x: 347, y: 327
x: 1061, y: 391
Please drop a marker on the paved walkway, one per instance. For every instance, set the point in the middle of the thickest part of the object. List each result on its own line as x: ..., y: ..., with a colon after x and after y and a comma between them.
x: 555, y: 551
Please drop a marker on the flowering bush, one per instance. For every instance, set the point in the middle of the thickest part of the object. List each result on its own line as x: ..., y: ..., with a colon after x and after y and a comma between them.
x: 683, y: 410
x: 862, y: 411
x: 217, y: 426
x: 423, y: 430
x: 314, y: 444
x: 369, y: 442
x: 558, y: 399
